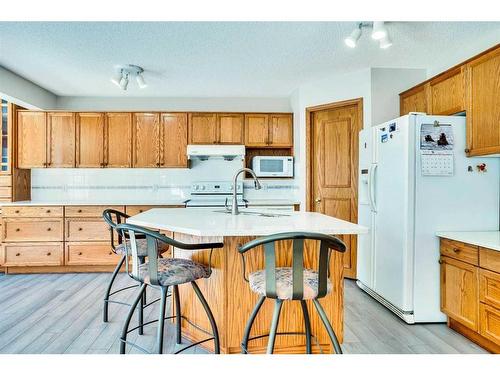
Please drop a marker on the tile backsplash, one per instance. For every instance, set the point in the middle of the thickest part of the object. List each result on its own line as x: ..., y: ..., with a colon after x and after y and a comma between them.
x: 144, y: 185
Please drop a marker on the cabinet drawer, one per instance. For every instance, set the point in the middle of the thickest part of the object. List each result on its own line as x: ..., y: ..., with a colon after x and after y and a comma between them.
x: 89, y: 211
x: 32, y: 211
x: 489, y: 288
x: 5, y: 191
x: 459, y: 250
x: 5, y: 180
x: 33, y: 254
x: 26, y: 230
x: 87, y: 230
x: 90, y: 253
x: 489, y: 323
x: 489, y: 259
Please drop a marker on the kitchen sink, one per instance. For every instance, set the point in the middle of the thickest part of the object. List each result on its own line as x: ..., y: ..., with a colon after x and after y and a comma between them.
x: 253, y: 213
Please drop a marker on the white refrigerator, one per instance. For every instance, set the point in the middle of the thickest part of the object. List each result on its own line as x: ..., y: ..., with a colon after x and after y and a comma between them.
x: 415, y: 180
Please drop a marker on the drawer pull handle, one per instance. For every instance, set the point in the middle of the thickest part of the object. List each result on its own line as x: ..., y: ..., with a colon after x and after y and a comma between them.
x: 49, y: 254
x: 456, y: 250
x: 18, y: 254
x: 79, y: 211
x: 17, y: 211
x: 110, y: 253
x: 440, y: 261
x: 48, y: 211
x: 80, y: 253
x: 80, y: 229
x: 18, y: 229
x: 49, y: 229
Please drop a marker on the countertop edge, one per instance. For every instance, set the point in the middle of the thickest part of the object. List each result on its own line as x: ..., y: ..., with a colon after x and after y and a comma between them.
x: 462, y: 236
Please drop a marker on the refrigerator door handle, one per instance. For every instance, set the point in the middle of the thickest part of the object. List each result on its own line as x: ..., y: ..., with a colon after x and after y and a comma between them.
x: 371, y: 187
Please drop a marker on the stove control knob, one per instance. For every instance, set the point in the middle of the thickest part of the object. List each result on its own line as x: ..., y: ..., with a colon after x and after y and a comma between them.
x: 196, y: 187
x: 202, y: 187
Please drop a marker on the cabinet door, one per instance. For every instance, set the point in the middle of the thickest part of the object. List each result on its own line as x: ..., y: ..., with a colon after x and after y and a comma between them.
x: 202, y: 128
x: 281, y: 129
x: 483, y: 104
x: 89, y: 140
x: 256, y: 130
x: 146, y: 149
x: 31, y: 139
x: 118, y: 140
x: 414, y: 100
x: 61, y: 140
x: 230, y: 128
x: 447, y: 93
x: 459, y: 291
x: 173, y: 140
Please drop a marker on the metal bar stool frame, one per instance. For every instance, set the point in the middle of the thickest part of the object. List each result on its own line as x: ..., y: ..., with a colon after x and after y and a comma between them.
x: 153, y: 238
x: 327, y: 244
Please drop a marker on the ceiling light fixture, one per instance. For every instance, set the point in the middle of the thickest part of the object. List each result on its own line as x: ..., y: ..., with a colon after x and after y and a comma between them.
x: 379, y: 32
x: 123, y: 74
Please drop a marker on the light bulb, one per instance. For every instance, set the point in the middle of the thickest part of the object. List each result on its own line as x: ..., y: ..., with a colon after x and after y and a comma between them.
x: 124, y: 81
x: 385, y: 42
x: 352, y: 39
x: 140, y: 81
x: 379, y: 30
x: 117, y: 77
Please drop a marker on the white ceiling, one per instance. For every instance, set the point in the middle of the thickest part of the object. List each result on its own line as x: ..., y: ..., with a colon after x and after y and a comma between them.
x: 222, y: 59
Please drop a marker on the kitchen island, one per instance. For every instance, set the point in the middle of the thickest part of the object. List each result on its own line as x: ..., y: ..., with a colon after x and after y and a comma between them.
x: 228, y: 295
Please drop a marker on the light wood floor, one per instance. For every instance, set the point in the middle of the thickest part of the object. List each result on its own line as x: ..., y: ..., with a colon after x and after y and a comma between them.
x: 51, y: 313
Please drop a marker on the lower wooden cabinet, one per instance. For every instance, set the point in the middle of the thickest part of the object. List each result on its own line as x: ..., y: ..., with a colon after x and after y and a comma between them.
x: 29, y: 230
x: 459, y: 291
x: 490, y: 323
x: 32, y: 254
x: 90, y: 254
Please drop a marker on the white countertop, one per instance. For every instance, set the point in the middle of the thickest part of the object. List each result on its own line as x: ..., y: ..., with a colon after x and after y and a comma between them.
x: 490, y: 239
x: 206, y: 222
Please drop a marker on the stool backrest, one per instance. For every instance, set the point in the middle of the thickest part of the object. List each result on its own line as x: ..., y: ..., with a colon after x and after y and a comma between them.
x: 114, y: 218
x: 327, y: 243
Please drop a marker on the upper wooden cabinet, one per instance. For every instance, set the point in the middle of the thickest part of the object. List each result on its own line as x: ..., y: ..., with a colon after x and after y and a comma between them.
x: 230, y: 128
x: 174, y: 131
x: 118, y: 140
x: 90, y: 140
x: 414, y: 100
x: 263, y: 130
x: 31, y: 139
x: 483, y: 104
x: 447, y: 93
x: 146, y: 144
x: 202, y: 128
x: 61, y: 141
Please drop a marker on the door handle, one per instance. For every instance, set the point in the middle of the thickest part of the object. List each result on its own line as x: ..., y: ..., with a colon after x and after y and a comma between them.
x: 317, y: 200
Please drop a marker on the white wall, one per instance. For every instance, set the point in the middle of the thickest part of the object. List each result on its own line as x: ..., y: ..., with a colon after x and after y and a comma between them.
x: 386, y: 84
x: 174, y: 104
x: 18, y: 90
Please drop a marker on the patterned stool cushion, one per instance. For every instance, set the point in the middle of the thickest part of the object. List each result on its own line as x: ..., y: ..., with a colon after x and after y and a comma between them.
x: 284, y: 283
x: 142, y: 248
x: 174, y: 271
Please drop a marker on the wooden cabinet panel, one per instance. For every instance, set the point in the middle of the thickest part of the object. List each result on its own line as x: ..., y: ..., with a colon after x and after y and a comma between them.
x: 483, y: 104
x: 202, y: 128
x: 460, y: 251
x: 30, y: 230
x: 118, y: 140
x: 146, y: 148
x: 5, y: 192
x: 90, y: 254
x: 489, y: 259
x: 174, y: 132
x: 87, y: 230
x: 257, y: 130
x: 414, y: 100
x: 489, y: 288
x: 61, y: 139
x: 447, y: 93
x: 31, y: 139
x: 89, y: 211
x: 32, y: 211
x: 90, y: 140
x: 459, y: 291
x: 281, y: 129
x: 33, y: 254
x: 6, y: 180
x: 230, y: 127
x: 490, y: 323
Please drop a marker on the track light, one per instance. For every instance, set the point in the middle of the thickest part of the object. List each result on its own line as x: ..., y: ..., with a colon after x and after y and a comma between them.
x: 379, y: 30
x: 352, y: 39
x: 385, y: 42
x: 122, y: 76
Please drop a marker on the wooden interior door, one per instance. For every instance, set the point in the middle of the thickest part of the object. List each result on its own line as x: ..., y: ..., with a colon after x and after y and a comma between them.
x: 230, y: 128
x: 90, y: 140
x: 173, y: 140
x: 146, y: 150
x: 118, y: 140
x: 31, y: 139
x: 334, y: 167
x: 61, y: 140
x: 202, y: 128
x: 257, y: 130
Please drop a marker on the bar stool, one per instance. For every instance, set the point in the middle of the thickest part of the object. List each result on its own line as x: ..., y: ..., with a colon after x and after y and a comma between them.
x: 291, y: 283
x: 114, y: 218
x: 163, y: 273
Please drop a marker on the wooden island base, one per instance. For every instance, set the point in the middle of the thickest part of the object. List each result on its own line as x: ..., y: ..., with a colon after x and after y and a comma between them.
x: 232, y: 301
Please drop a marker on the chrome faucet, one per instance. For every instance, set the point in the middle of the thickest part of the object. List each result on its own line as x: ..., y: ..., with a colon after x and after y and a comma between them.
x: 258, y: 186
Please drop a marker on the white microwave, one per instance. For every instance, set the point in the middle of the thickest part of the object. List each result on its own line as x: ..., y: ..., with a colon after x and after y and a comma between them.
x: 273, y: 166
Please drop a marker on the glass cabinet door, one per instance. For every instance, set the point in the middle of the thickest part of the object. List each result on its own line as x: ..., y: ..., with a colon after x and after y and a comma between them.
x: 5, y: 138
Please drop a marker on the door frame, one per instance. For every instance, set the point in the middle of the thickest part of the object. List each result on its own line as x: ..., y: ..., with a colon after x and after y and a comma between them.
x: 309, y: 113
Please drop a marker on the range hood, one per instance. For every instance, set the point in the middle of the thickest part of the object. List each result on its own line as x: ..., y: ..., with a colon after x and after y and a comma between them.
x: 226, y: 152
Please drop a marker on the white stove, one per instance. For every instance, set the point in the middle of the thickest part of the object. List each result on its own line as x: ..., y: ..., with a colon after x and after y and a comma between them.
x: 215, y: 194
